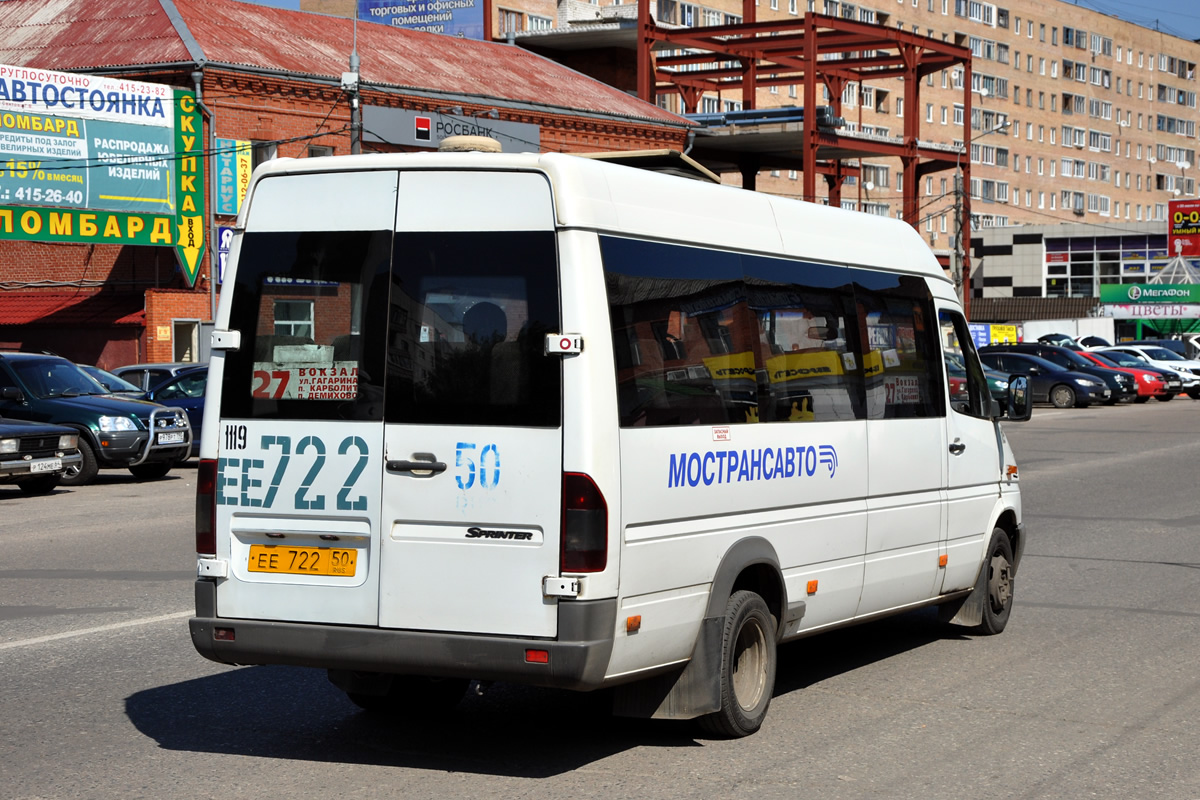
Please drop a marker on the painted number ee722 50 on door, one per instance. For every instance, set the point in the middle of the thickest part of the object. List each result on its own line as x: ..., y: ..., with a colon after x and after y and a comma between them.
x: 251, y: 482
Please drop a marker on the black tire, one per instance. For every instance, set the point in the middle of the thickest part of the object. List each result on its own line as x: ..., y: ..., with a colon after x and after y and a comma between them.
x: 84, y: 472
x: 151, y: 472
x: 1142, y: 398
x: 1194, y: 394
x: 748, y: 666
x: 1063, y: 396
x: 1164, y: 398
x: 41, y: 485
x: 412, y: 696
x: 997, y: 583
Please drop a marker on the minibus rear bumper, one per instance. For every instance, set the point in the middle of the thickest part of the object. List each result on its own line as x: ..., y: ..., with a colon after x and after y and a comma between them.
x: 577, y: 659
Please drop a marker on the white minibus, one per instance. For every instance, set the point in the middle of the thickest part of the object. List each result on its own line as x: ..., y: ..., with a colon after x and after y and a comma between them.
x: 549, y: 420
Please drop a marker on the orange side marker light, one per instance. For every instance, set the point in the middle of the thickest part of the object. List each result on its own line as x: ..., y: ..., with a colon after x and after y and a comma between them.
x: 633, y: 624
x: 812, y: 587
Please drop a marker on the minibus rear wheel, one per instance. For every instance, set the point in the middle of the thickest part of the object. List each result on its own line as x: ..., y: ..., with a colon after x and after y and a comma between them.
x: 747, y: 667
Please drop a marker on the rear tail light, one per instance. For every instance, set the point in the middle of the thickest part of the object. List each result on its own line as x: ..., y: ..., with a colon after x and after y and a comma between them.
x: 206, y: 507
x: 584, y: 525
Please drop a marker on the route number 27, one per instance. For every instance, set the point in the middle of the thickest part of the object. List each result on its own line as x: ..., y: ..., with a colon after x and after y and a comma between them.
x: 269, y: 385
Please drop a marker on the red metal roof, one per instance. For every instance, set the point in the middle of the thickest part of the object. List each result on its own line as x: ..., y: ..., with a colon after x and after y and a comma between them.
x: 77, y: 310
x: 98, y: 34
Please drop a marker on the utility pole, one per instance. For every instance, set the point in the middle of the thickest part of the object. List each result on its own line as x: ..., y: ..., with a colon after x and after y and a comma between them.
x: 350, y: 84
x: 956, y: 254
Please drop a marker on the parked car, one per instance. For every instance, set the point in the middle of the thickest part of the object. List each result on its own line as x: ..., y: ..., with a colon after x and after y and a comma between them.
x: 997, y: 381
x: 1048, y: 382
x: 114, y: 384
x: 1171, y: 379
x: 35, y: 455
x: 120, y: 432
x: 1059, y: 340
x: 1121, y: 386
x: 1188, y: 371
x: 1186, y: 348
x: 147, y: 376
x: 185, y: 389
x: 1150, y: 382
x: 1094, y: 341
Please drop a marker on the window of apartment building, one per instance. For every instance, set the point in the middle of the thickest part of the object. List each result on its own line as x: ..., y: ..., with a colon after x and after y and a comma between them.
x: 929, y: 113
x: 943, y: 186
x: 1041, y: 166
x: 1029, y: 131
x: 1042, y: 100
x: 944, y: 114
x: 1016, y: 59
x: 537, y: 23
x: 1028, y: 163
x: 1028, y: 63
x: 1041, y: 199
x: 1041, y: 133
x: 1053, y: 201
x: 1029, y: 97
x: 1054, y: 36
x: 945, y: 7
x: 319, y: 150
x: 1053, y: 131
x: 1029, y: 27
x: 1029, y: 198
x: 929, y: 184
x: 774, y: 5
x: 899, y: 106
x: 510, y: 21
x: 1053, y: 69
x: 793, y: 8
x: 1001, y: 17
x: 1053, y: 107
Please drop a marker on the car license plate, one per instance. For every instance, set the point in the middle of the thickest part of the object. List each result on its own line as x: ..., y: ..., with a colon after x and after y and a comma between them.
x: 174, y: 437
x: 46, y: 465
x: 286, y: 560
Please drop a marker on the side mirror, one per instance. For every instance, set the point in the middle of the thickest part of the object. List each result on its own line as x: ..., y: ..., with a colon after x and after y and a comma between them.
x: 1020, y: 402
x: 12, y: 393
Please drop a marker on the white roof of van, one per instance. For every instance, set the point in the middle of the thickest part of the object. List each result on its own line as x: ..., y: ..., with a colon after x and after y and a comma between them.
x: 596, y: 195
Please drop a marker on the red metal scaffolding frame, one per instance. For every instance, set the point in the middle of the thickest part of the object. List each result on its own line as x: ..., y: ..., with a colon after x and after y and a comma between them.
x: 806, y: 50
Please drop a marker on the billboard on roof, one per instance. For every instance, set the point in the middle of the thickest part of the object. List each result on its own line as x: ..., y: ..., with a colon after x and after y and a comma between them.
x: 461, y: 18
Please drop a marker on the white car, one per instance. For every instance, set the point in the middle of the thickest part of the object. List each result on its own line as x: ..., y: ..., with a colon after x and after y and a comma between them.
x: 1162, y: 358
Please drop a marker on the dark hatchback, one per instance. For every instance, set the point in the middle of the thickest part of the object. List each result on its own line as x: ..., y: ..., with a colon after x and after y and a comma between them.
x: 35, y: 455
x: 1048, y: 382
x: 1122, y: 387
x: 120, y: 432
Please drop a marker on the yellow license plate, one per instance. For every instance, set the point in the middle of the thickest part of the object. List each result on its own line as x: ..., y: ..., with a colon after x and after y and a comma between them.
x: 302, y: 560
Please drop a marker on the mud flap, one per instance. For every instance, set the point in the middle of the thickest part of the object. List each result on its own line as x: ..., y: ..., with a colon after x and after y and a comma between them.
x: 968, y: 610
x: 688, y: 693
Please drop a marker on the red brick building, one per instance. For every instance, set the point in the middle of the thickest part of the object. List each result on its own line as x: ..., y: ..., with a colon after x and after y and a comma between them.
x: 274, y: 78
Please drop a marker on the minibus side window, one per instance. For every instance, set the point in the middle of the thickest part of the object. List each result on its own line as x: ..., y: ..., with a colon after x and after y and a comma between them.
x: 684, y: 337
x: 969, y: 393
x: 807, y: 341
x: 900, y: 354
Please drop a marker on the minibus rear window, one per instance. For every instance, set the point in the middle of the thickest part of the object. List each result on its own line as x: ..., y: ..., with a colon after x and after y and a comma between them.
x: 312, y: 309
x: 469, y: 313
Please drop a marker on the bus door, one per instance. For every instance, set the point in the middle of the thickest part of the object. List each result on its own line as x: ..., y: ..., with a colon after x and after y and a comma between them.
x: 300, y: 434
x: 973, y: 454
x: 472, y: 475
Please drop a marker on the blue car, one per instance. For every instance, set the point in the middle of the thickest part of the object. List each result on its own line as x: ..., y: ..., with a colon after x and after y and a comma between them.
x: 185, y: 389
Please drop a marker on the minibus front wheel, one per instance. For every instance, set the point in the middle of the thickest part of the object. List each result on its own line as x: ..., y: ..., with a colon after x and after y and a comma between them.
x: 747, y: 667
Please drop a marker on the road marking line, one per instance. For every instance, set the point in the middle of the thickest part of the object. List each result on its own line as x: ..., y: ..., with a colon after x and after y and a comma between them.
x: 102, y: 629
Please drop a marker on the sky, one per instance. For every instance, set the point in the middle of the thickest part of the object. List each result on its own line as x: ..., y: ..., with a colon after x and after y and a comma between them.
x: 1177, y: 17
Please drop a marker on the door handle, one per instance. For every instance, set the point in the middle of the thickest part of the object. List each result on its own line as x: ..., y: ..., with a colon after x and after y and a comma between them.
x: 416, y: 466
x: 957, y: 448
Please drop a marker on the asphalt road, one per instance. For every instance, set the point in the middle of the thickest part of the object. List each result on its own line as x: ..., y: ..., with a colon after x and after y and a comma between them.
x: 1093, y: 690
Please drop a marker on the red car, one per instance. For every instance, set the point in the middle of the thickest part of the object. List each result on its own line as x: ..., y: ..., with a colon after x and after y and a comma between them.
x: 1149, y: 383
